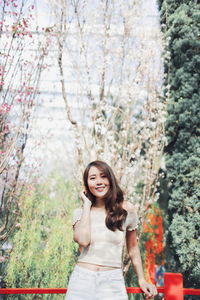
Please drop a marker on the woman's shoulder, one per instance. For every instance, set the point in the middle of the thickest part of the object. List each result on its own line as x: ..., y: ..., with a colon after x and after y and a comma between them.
x: 132, y: 221
x: 128, y: 206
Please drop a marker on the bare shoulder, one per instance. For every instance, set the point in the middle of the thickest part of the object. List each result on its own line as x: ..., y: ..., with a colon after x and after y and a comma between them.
x: 128, y: 206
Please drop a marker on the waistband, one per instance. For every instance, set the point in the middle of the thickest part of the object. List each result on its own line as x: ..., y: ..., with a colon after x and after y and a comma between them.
x: 106, y: 272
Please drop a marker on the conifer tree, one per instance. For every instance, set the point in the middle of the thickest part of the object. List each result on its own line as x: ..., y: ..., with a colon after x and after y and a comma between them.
x: 180, y: 22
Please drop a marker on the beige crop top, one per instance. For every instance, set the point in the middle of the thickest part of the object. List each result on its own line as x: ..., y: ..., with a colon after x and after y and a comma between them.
x: 106, y: 245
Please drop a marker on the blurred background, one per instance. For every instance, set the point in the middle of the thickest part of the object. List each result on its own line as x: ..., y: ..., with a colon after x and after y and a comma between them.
x: 110, y: 80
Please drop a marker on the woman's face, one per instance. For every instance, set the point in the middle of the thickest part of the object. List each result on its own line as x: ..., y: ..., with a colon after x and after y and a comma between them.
x: 98, y: 183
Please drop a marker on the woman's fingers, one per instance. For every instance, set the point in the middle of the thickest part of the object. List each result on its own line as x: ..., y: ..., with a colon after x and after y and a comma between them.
x: 147, y: 293
x: 149, y: 289
x: 153, y: 290
x: 84, y: 198
x: 146, y: 290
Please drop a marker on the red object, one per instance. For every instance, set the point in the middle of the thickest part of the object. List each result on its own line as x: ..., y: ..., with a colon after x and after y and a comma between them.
x: 173, y: 286
x: 173, y: 289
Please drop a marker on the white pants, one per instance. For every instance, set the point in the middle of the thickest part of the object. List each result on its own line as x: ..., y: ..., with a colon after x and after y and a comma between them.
x: 86, y: 284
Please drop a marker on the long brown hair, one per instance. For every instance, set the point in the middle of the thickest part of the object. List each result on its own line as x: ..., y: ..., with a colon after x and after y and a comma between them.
x: 114, y: 198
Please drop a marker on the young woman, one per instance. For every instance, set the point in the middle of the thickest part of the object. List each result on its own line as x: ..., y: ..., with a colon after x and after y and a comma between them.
x: 101, y: 226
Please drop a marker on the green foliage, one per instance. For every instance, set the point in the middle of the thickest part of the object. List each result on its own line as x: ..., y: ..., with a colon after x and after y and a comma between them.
x: 181, y: 21
x: 44, y: 252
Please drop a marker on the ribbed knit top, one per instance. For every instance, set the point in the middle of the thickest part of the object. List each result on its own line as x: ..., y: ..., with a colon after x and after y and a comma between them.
x: 106, y: 245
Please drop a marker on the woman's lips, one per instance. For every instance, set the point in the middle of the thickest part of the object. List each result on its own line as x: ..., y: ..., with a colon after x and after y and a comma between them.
x: 100, y: 189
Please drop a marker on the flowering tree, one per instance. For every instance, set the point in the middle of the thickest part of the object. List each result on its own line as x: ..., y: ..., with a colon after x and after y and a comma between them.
x: 115, y: 69
x: 20, y: 70
x: 110, y: 71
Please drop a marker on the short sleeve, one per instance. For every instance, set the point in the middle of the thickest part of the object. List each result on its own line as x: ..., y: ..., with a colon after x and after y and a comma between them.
x: 132, y: 221
x: 76, y: 215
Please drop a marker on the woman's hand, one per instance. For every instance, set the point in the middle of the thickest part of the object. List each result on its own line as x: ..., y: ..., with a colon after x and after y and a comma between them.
x: 84, y: 198
x: 149, y: 289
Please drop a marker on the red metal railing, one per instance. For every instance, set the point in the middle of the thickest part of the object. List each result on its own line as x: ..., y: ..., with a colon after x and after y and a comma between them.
x: 172, y: 290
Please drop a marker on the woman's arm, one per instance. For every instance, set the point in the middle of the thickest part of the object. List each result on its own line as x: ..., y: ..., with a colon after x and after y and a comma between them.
x: 134, y: 253
x: 82, y: 229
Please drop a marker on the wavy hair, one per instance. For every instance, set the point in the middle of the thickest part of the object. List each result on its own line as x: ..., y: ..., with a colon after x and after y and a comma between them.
x: 114, y: 198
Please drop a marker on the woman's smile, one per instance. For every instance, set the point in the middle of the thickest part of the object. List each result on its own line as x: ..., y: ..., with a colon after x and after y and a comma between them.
x: 100, y: 188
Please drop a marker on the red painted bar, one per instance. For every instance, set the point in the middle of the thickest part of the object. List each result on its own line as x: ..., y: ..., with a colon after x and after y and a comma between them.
x: 173, y: 286
x: 33, y: 291
x: 173, y: 289
x: 191, y: 292
x: 137, y: 290
x: 130, y: 290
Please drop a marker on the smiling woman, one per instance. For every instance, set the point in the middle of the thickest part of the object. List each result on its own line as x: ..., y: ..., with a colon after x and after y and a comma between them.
x: 101, y: 226
x: 104, y: 192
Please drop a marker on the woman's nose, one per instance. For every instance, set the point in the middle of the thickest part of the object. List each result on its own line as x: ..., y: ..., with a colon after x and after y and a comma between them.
x: 99, y: 180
